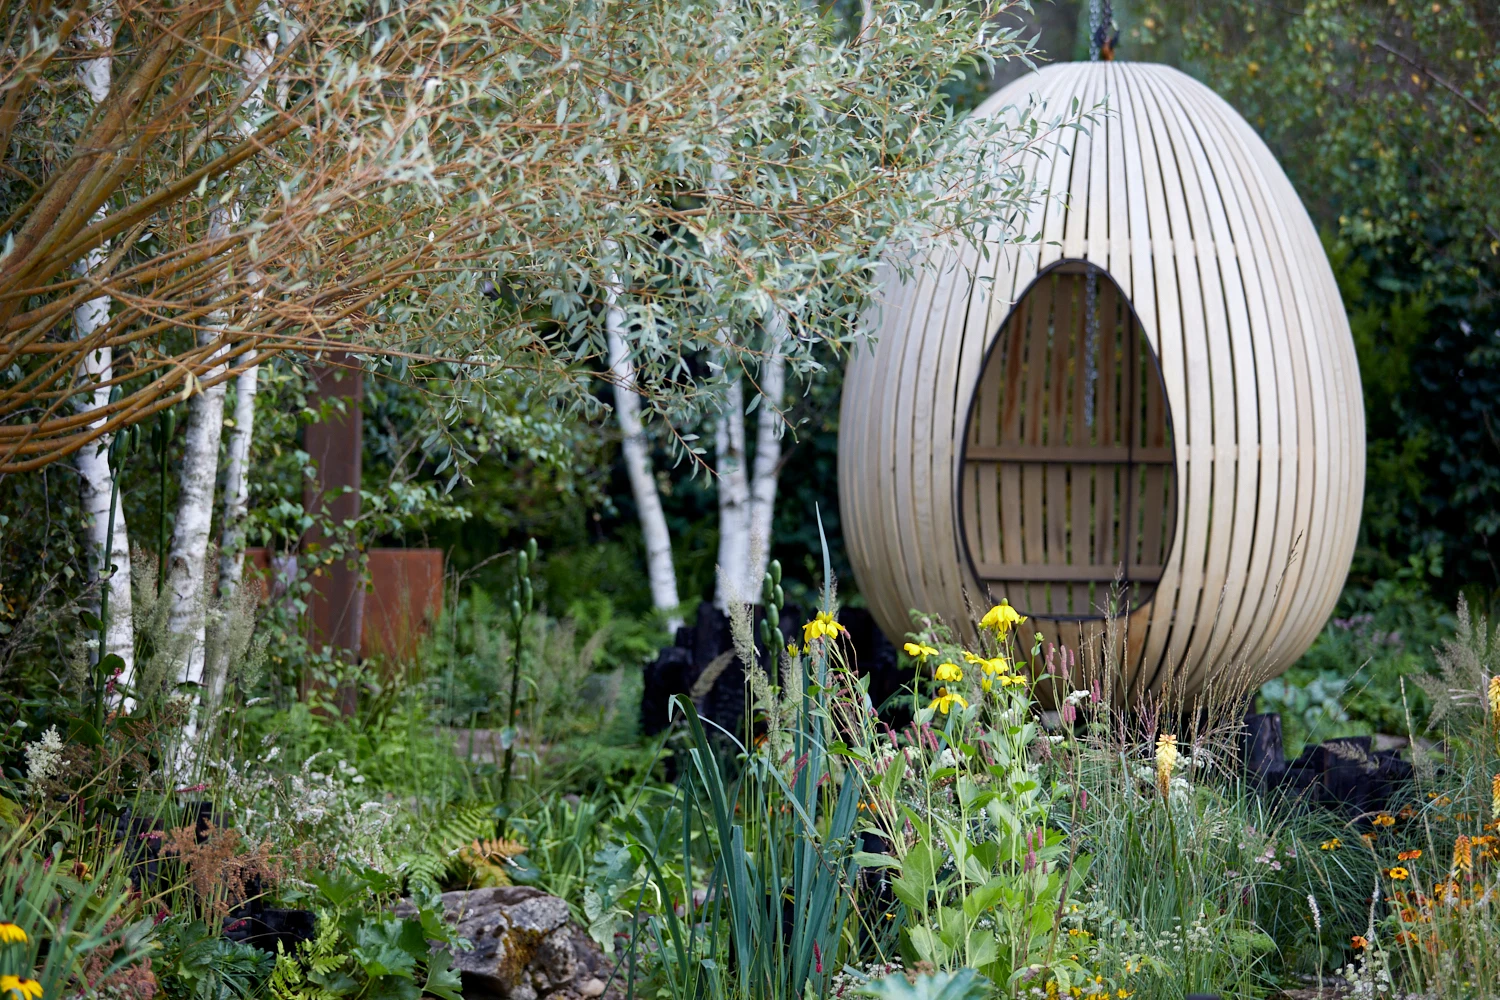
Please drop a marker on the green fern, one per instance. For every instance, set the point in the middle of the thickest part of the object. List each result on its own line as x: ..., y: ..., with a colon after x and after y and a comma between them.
x: 459, y: 826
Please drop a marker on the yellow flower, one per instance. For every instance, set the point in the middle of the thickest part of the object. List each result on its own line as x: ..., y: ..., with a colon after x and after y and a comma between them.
x: 946, y: 700
x: 12, y: 934
x: 919, y: 650
x: 1495, y: 698
x: 1384, y: 819
x: 26, y: 989
x: 1397, y: 874
x: 1331, y: 845
x: 1012, y: 680
x: 1001, y: 618
x: 1495, y: 797
x: 821, y: 626
x: 1166, y: 759
x: 949, y: 672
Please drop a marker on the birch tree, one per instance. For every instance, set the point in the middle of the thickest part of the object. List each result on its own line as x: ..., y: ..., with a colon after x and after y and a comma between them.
x: 661, y: 571
x: 108, y: 544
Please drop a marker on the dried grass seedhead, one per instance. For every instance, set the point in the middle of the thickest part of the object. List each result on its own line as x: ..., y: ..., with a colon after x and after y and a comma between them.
x: 217, y: 868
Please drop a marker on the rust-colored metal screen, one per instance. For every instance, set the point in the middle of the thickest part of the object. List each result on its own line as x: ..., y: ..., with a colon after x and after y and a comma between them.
x: 1068, y: 482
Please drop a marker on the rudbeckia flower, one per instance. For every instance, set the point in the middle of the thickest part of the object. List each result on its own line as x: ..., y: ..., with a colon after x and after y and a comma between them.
x: 12, y: 934
x: 1001, y: 618
x: 1397, y: 874
x: 946, y: 700
x: 24, y: 989
x: 820, y: 627
x: 949, y: 672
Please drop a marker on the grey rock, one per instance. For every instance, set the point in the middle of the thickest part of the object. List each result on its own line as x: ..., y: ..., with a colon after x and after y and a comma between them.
x: 526, y: 947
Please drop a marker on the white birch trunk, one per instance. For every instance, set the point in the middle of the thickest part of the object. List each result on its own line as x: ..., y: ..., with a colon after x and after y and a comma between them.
x: 232, y: 536
x: 767, y: 468
x: 660, y: 569
x: 111, y: 568
x: 734, y: 498
x: 187, y: 564
x: 187, y: 570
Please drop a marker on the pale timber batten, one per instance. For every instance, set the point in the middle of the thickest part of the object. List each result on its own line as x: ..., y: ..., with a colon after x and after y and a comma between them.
x: 1197, y: 451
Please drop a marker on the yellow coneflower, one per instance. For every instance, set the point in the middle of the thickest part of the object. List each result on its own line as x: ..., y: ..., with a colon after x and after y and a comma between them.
x: 1397, y: 874
x: 12, y: 933
x: 918, y: 650
x: 1166, y: 759
x: 946, y: 700
x: 25, y: 989
x: 949, y: 672
x: 1463, y: 854
x: 822, y: 626
x: 1001, y: 618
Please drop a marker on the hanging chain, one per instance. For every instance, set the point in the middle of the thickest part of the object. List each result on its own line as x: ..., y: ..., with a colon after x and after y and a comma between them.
x: 1090, y: 344
x: 1101, y: 30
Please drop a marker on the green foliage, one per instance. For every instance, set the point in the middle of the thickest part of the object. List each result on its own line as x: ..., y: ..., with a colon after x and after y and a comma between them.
x: 361, y: 951
x: 195, y: 963
x: 965, y: 984
x: 79, y: 922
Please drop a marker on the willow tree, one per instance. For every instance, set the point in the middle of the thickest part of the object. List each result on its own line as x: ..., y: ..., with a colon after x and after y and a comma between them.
x: 467, y: 181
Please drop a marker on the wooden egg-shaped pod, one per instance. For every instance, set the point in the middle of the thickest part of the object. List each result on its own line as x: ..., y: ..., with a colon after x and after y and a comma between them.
x: 1158, y: 399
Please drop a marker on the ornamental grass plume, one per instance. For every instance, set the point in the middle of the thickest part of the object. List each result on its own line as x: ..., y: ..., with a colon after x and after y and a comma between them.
x: 1166, y: 759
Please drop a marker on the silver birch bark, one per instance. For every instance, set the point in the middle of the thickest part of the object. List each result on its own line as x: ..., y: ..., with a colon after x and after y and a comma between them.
x: 187, y: 563
x: 734, y: 498
x: 768, y: 431
x: 256, y: 62
x: 187, y: 570
x: 660, y: 569
x: 110, y: 568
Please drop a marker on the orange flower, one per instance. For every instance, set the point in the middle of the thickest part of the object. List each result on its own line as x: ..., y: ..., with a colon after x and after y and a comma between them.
x: 1384, y: 819
x: 1463, y: 854
x: 1409, y: 855
x: 1359, y: 942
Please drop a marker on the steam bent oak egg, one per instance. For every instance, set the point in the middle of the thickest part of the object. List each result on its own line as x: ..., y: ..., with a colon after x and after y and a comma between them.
x: 1153, y: 411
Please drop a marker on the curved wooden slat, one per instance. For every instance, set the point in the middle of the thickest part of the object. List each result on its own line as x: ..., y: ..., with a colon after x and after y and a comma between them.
x: 974, y: 463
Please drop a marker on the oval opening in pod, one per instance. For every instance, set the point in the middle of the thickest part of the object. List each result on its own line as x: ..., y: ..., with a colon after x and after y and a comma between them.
x: 1068, y: 491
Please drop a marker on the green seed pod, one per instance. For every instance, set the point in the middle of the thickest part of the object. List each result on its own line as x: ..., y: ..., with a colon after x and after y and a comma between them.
x: 775, y: 570
x: 515, y: 610
x: 768, y: 589
x: 526, y: 592
x: 780, y: 597
x: 773, y: 617
x: 522, y: 561
x: 531, y: 549
x: 169, y: 421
